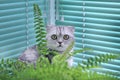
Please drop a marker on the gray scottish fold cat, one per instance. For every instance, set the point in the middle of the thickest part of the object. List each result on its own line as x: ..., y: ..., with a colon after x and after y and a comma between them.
x: 58, y: 38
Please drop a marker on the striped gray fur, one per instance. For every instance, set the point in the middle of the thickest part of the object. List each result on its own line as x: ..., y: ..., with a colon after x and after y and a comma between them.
x: 60, y: 44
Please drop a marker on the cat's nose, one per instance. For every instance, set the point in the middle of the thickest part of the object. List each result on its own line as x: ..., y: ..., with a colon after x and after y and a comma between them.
x: 60, y: 42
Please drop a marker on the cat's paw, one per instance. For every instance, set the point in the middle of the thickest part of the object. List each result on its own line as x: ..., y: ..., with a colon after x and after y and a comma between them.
x: 70, y: 61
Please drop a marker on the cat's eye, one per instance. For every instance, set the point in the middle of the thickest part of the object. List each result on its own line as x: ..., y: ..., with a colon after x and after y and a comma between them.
x: 66, y: 37
x: 54, y: 37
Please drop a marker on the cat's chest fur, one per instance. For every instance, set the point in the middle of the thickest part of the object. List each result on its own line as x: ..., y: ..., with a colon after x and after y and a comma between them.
x: 31, y: 55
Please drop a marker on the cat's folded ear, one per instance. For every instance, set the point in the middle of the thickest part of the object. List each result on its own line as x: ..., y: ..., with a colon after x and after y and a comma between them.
x: 71, y: 28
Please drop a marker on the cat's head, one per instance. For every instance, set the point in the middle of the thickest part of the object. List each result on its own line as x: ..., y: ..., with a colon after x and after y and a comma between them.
x: 59, y: 37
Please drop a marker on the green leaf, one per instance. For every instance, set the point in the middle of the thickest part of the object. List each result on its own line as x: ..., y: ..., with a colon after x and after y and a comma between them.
x: 39, y: 30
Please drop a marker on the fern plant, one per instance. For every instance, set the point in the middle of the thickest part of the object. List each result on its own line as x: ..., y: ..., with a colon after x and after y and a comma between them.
x: 9, y: 67
x: 57, y: 72
x: 95, y: 61
x: 40, y: 30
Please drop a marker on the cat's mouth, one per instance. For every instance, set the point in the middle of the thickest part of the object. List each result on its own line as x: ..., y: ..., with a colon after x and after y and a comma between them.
x: 60, y: 46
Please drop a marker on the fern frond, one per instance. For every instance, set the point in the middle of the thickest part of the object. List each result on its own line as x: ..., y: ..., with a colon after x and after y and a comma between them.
x: 40, y: 30
x: 67, y: 51
x: 61, y: 58
x: 95, y: 61
x: 80, y: 51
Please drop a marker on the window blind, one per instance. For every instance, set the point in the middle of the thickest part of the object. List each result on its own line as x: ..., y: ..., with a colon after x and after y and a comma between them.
x: 97, y: 25
x: 17, y: 26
